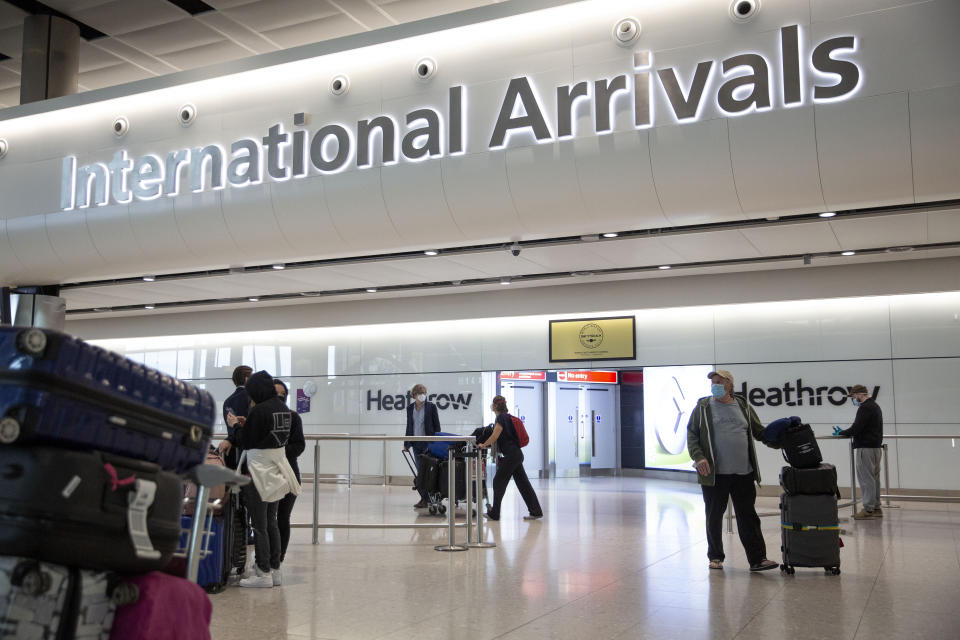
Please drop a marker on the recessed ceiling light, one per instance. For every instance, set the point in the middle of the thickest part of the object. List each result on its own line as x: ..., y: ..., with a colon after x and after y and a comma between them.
x: 372, y: 290
x: 898, y: 249
x: 848, y: 253
x: 254, y: 299
x: 431, y: 252
x: 827, y: 214
x: 279, y: 266
x: 149, y: 278
x: 504, y: 280
x: 610, y: 235
x: 664, y: 267
x: 148, y: 306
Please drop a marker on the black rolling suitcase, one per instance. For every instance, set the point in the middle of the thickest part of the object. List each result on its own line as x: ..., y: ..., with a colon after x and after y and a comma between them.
x: 57, y: 390
x: 428, y: 474
x: 44, y: 601
x: 460, y: 479
x: 810, y: 527
x: 820, y: 480
x: 88, y: 509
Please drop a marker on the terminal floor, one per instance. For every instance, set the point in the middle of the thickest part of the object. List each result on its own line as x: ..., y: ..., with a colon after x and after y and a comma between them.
x: 614, y: 558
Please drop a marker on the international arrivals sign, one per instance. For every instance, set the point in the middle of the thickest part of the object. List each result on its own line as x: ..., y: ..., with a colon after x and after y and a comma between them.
x: 741, y: 84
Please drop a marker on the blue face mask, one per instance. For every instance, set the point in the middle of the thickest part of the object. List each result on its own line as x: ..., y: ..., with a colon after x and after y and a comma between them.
x: 718, y: 390
x: 855, y: 402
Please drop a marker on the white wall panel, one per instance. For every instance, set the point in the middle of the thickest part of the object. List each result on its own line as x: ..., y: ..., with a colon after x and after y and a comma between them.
x: 414, y: 196
x: 935, y: 143
x: 32, y: 247
x: 9, y: 264
x: 796, y: 331
x: 864, y: 149
x: 788, y: 239
x: 545, y: 189
x: 203, y: 228
x: 478, y: 194
x: 928, y: 464
x: 71, y: 246
x: 895, y: 230
x: 251, y: 222
x: 926, y: 390
x: 112, y: 233
x: 675, y: 336
x: 156, y: 226
x: 792, y: 183
x: 356, y: 206
x: 691, y: 169
x: 302, y: 212
x: 925, y: 326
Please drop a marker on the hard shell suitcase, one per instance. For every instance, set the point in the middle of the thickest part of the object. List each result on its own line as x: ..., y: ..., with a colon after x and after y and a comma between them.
x: 460, y: 479
x: 428, y: 479
x: 55, y: 389
x: 44, y: 601
x: 810, y: 527
x: 800, y: 447
x: 224, y: 549
x: 821, y: 480
x: 169, y: 608
x: 92, y: 510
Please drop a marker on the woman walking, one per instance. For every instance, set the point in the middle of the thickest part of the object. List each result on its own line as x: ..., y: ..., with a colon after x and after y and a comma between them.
x: 510, y: 464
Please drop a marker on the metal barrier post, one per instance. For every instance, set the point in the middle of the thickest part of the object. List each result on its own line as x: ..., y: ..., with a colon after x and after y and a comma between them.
x: 384, y: 462
x: 316, y: 492
x: 478, y: 486
x: 451, y: 510
x: 729, y: 517
x: 468, y: 469
x: 349, y: 464
x: 853, y: 482
x: 196, y: 532
x: 886, y: 473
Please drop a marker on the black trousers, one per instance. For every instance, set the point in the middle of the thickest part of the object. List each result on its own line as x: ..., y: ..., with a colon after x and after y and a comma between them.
x: 744, y: 494
x: 419, y: 448
x: 511, y: 466
x: 283, y: 522
x: 266, y: 538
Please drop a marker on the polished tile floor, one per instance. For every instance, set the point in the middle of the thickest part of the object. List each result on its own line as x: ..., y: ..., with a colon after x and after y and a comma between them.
x: 614, y: 558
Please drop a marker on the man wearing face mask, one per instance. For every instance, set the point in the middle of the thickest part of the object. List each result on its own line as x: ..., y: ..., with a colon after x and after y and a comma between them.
x: 422, y: 420
x: 867, y: 434
x: 720, y: 437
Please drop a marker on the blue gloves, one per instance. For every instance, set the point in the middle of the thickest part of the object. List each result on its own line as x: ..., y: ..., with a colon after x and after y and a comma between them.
x: 836, y: 431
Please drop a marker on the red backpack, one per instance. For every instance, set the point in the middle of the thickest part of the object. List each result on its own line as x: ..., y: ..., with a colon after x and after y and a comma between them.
x: 522, y: 436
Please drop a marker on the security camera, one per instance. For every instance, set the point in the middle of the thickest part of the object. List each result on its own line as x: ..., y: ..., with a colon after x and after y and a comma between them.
x: 339, y: 85
x: 3, y: 147
x: 425, y: 68
x: 120, y: 126
x: 187, y: 114
x: 744, y: 10
x: 515, y: 249
x: 626, y: 31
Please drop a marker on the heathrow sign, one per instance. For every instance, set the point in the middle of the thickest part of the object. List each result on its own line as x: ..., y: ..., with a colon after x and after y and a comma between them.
x: 745, y: 83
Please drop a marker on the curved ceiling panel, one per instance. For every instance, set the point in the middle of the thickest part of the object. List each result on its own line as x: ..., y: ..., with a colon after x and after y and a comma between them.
x: 201, y: 223
x: 355, y: 199
x: 935, y: 143
x: 72, y: 246
x: 545, y: 189
x: 301, y: 210
x: 414, y: 196
x: 479, y: 196
x: 248, y: 214
x: 9, y: 265
x: 29, y: 240
x: 112, y: 233
x: 158, y: 234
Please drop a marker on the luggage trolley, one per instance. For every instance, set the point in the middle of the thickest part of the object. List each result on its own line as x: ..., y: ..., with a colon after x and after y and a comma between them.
x: 196, y: 541
x: 434, y: 494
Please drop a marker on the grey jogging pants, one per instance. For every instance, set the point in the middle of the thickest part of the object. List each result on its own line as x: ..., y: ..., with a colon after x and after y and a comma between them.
x: 868, y: 475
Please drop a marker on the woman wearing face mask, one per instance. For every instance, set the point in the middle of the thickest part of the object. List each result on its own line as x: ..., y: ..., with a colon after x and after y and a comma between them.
x: 720, y: 437
x: 422, y: 420
x: 510, y: 464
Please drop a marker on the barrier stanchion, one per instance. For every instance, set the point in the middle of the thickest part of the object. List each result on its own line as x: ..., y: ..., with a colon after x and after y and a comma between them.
x: 853, y: 482
x: 729, y: 517
x: 451, y: 511
x: 886, y: 473
x: 468, y: 469
x: 316, y: 492
x: 479, y: 542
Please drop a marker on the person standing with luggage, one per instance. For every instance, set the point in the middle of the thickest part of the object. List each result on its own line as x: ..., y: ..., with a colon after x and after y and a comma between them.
x: 867, y: 434
x: 237, y: 404
x: 295, y: 446
x: 510, y: 464
x: 263, y: 438
x: 720, y: 437
x: 423, y: 419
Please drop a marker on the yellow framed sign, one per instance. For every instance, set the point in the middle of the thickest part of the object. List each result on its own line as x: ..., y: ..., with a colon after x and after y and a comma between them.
x: 593, y: 339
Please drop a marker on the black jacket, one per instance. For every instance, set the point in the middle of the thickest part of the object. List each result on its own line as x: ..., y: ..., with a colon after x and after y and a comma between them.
x: 239, y: 403
x: 270, y: 421
x: 867, y: 427
x: 296, y: 444
x: 431, y: 421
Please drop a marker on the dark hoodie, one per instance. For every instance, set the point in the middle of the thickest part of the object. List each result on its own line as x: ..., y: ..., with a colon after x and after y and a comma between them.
x: 269, y: 421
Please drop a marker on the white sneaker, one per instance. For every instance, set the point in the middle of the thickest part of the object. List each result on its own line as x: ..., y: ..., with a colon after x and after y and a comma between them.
x: 257, y: 582
x: 277, y: 577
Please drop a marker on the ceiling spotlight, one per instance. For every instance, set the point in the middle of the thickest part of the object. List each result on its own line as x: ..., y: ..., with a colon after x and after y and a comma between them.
x: 848, y: 253
x: 149, y: 278
x: 149, y: 306
x: 456, y: 283
x: 664, y: 267
x: 372, y: 290
x: 610, y: 235
x: 827, y: 214
x: 898, y: 249
x: 254, y: 299
x: 504, y: 280
x: 279, y: 266
x: 431, y: 252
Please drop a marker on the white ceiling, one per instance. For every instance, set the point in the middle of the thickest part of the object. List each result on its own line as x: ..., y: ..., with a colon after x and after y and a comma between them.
x: 768, y: 246
x: 149, y: 38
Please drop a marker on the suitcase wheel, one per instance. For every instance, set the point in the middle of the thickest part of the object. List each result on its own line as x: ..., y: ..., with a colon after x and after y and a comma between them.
x: 9, y: 430
x: 123, y: 593
x: 787, y: 569
x: 433, y: 510
x: 32, y: 342
x: 833, y: 571
x: 442, y: 509
x: 31, y: 580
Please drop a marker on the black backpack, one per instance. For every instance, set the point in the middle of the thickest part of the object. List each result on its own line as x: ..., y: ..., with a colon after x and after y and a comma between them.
x: 800, y: 447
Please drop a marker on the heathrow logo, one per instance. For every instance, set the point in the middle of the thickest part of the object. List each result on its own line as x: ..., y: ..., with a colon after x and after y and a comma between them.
x: 399, y: 402
x: 745, y: 83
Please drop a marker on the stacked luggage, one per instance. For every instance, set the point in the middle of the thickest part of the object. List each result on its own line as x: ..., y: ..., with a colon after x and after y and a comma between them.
x: 431, y: 474
x: 810, y: 523
x: 92, y: 446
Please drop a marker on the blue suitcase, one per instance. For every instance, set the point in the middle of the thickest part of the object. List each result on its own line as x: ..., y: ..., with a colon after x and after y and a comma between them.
x: 224, y: 547
x: 58, y: 390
